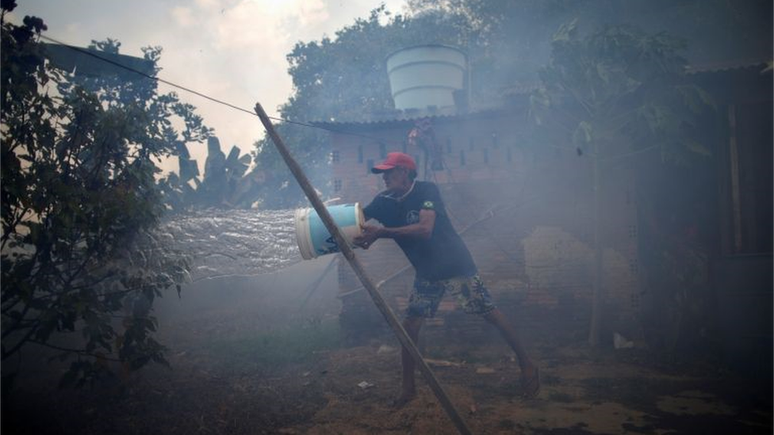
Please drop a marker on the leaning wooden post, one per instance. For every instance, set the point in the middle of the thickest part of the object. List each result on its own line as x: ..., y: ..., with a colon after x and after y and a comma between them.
x: 346, y: 250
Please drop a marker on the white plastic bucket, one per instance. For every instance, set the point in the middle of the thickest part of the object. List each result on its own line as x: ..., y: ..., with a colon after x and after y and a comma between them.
x: 314, y: 239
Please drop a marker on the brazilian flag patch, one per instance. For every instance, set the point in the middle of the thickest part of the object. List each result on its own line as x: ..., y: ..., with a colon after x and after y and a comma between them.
x: 428, y: 205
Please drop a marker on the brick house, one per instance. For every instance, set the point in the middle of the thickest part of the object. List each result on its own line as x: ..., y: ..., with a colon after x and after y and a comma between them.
x: 525, y: 212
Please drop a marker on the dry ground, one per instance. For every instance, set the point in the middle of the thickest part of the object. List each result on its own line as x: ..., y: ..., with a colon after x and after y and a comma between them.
x: 226, y: 379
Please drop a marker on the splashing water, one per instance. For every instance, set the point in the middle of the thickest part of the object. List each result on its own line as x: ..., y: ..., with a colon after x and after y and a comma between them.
x: 234, y: 242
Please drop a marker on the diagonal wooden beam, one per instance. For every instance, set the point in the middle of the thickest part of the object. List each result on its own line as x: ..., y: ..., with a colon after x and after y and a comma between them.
x: 346, y: 250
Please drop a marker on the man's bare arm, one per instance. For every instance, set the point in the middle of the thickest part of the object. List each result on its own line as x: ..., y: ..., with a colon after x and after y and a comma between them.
x: 421, y: 230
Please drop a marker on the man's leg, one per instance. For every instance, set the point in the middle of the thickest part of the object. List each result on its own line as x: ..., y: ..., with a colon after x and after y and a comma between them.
x: 530, y: 379
x: 423, y: 303
x: 475, y: 299
x: 412, y: 325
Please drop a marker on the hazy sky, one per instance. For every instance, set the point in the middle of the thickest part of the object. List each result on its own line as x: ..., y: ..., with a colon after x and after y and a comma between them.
x: 233, y: 50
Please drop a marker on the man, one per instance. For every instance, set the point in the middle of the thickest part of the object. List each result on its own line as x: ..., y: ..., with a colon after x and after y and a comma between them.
x: 413, y: 214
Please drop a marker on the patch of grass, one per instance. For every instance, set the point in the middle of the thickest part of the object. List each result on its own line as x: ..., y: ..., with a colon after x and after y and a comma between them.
x: 276, y: 348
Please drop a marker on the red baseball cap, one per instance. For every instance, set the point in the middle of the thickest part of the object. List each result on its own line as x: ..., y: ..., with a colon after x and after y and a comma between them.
x: 393, y: 160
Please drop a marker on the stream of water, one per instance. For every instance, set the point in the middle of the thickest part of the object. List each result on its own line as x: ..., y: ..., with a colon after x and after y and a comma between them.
x: 234, y: 242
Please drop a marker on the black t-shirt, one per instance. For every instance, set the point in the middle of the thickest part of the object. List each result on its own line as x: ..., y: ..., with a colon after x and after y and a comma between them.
x: 444, y: 255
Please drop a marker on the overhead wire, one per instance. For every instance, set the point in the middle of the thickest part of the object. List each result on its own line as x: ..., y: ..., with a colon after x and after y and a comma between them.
x: 147, y: 76
x: 377, y: 140
x: 91, y: 53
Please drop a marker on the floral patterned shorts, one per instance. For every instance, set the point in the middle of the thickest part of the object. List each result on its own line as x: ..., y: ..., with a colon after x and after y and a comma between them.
x: 470, y: 292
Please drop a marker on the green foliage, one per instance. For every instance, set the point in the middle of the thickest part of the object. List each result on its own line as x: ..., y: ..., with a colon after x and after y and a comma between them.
x: 612, y: 94
x: 224, y: 184
x: 619, y: 90
x: 341, y: 78
x: 508, y: 42
x: 80, y: 265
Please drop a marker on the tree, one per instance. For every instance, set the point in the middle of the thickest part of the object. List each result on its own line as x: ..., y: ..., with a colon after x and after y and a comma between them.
x: 223, y: 185
x: 80, y: 265
x: 510, y: 40
x: 612, y: 94
x: 507, y: 42
x: 341, y: 78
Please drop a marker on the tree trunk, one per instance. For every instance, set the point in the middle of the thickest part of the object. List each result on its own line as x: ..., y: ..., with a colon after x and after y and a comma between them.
x: 596, y: 298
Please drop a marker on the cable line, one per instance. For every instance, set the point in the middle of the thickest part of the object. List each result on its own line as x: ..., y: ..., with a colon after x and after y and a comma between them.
x: 201, y: 94
x: 377, y: 140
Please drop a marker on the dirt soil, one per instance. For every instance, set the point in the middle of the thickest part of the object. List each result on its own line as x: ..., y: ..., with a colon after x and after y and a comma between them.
x: 215, y: 389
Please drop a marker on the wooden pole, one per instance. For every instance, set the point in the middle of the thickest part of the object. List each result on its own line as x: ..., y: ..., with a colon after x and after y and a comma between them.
x: 346, y: 250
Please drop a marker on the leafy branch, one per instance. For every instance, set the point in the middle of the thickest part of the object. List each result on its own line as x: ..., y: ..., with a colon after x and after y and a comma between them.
x: 79, y: 202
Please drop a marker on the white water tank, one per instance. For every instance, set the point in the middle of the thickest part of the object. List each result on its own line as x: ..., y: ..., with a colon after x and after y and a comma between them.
x: 426, y: 75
